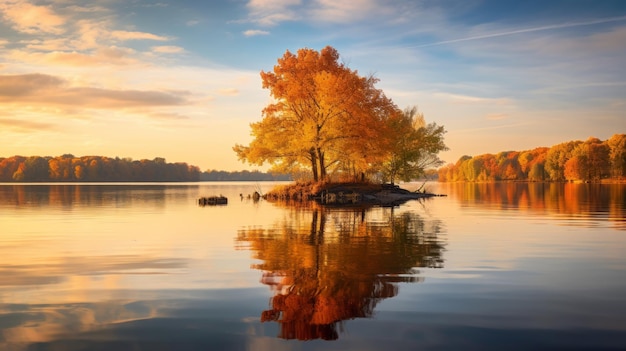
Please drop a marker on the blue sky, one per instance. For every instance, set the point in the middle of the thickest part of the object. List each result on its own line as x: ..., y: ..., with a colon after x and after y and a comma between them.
x: 180, y: 79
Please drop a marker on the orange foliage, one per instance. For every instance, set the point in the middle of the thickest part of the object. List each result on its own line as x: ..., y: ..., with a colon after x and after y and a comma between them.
x: 591, y: 160
x: 324, y: 116
x: 92, y: 168
x: 325, y: 267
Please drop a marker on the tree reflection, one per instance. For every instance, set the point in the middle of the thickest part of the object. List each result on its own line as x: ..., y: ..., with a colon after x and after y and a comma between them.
x: 326, y: 267
x: 572, y: 200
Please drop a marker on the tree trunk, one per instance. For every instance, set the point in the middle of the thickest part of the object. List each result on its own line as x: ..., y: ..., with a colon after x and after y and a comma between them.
x: 320, y: 159
x: 314, y: 165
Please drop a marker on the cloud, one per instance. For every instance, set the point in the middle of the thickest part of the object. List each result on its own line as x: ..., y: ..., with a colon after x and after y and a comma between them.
x: 26, y: 84
x: 86, y: 9
x: 105, y: 98
x: 32, y: 19
x: 269, y: 5
x: 497, y: 116
x: 255, y: 32
x: 168, y: 49
x: 345, y: 11
x: 468, y: 99
x: 272, y: 12
x: 609, y: 41
x: 90, y: 34
x: 168, y: 116
x: 45, y: 89
x: 126, y: 35
x: 229, y: 92
x: 526, y: 30
x: 377, y: 12
x: 104, y: 56
x: 493, y: 127
x: 46, y: 45
x: 23, y: 126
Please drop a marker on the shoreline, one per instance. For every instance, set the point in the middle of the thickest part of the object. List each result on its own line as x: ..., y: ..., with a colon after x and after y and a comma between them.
x: 346, y: 194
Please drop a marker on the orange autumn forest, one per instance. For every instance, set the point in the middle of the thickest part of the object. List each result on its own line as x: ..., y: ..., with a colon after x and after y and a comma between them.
x: 327, y: 123
x: 592, y: 160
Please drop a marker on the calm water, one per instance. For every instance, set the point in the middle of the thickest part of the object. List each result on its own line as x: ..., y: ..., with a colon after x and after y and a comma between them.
x: 143, y: 267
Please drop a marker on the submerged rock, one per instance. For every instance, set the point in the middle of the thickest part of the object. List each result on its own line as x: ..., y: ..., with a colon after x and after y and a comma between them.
x: 213, y: 200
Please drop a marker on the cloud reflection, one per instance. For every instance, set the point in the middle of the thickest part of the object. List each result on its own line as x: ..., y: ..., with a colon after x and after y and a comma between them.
x: 57, y: 270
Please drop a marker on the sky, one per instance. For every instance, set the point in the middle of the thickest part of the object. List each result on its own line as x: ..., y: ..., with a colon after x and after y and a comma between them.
x: 179, y: 79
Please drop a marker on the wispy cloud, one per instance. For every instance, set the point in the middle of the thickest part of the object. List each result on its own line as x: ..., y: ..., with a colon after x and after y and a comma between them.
x: 24, y: 126
x: 255, y: 32
x: 229, y: 91
x: 497, y: 116
x: 107, y: 56
x: 12, y: 86
x: 126, y: 35
x: 32, y: 19
x: 272, y: 12
x: 468, y: 99
x: 501, y: 126
x: 51, y: 90
x: 87, y: 9
x: 168, y: 116
x: 168, y: 49
x: 346, y: 11
x: 525, y: 30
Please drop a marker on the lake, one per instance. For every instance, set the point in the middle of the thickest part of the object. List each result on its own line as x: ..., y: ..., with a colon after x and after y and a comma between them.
x: 143, y: 267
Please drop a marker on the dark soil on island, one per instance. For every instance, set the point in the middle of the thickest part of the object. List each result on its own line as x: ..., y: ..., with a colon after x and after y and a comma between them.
x: 345, y: 193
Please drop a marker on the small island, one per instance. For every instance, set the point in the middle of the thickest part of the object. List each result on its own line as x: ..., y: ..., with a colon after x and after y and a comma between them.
x: 346, y: 193
x: 343, y: 140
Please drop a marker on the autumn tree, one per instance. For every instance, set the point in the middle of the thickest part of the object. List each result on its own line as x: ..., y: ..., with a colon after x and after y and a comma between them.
x: 617, y: 154
x: 412, y: 145
x: 556, y: 158
x: 598, y: 158
x: 524, y: 160
x: 32, y: 169
x: 323, y: 115
x: 470, y: 169
x: 508, y: 165
x: 536, y: 169
x: 589, y: 161
x: 537, y: 172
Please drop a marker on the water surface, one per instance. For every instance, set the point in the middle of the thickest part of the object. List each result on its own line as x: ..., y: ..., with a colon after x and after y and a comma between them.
x: 143, y: 267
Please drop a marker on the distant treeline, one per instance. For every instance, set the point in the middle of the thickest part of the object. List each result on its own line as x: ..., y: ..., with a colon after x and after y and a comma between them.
x: 589, y: 161
x: 69, y: 168
x: 214, y: 175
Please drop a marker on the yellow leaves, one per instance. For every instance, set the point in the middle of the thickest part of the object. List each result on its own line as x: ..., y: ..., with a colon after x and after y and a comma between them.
x: 324, y: 115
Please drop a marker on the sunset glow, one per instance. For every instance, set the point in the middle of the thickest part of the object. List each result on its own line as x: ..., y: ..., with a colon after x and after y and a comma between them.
x: 180, y: 79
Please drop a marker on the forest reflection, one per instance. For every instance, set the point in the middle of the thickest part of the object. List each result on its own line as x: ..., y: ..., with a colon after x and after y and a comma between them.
x: 90, y: 195
x: 579, y: 201
x: 327, y: 266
